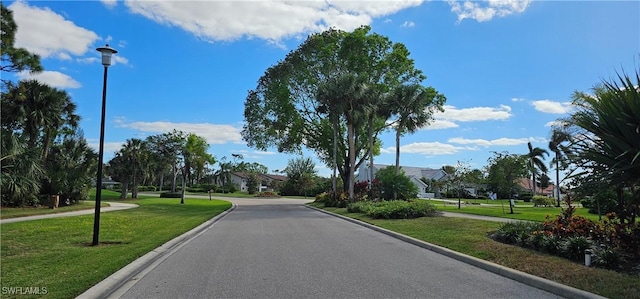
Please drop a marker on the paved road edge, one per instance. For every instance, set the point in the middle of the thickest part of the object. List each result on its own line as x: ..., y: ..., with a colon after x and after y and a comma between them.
x: 532, y: 280
x: 122, y: 280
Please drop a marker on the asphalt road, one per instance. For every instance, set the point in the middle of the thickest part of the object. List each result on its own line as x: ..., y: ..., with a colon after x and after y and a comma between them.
x: 281, y: 249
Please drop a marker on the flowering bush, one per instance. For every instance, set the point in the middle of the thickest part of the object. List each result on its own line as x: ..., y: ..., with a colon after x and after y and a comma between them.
x: 614, y: 244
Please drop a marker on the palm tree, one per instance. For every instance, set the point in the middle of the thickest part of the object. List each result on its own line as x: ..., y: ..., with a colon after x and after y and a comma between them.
x: 536, y: 157
x: 71, y: 167
x: 555, y: 145
x: 414, y: 107
x: 21, y: 171
x: 135, y: 154
x: 346, y: 95
x: 41, y: 112
x: 607, y: 143
x: 118, y: 170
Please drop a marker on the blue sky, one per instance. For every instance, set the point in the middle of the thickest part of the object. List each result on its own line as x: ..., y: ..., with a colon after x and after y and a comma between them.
x: 508, y: 68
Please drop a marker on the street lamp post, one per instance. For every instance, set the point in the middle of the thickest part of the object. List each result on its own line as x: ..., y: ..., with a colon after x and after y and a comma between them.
x: 107, y: 52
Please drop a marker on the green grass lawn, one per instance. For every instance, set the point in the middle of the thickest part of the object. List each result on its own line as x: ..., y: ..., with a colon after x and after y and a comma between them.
x: 520, y: 211
x: 6, y: 213
x: 470, y: 237
x: 56, y: 253
x: 107, y: 195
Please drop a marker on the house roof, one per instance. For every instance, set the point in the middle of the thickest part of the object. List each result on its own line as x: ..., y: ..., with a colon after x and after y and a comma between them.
x: 275, y: 177
x: 527, y: 184
x: 418, y: 172
x: 262, y: 176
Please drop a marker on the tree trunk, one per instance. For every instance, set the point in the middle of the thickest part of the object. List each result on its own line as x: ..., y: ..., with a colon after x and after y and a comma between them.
x: 352, y: 158
x: 397, y: 151
x: 509, y: 179
x: 533, y: 175
x: 134, y: 188
x: 161, y: 181
x: 334, y: 178
x: 184, y: 181
x: 395, y: 193
x: 175, y: 178
x: 46, y: 144
x: 371, y: 158
x: 125, y: 189
x: 557, y: 180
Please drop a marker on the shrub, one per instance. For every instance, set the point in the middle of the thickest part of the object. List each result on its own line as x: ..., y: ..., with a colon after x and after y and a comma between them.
x: 574, y: 248
x: 551, y: 243
x: 605, y: 198
x: 363, y: 207
x: 321, y: 197
x: 398, y: 209
x: 395, y: 185
x: 146, y: 188
x: 195, y: 189
x: 536, y: 240
x: 170, y: 195
x: 606, y: 257
x: 526, y: 196
x: 341, y: 200
x: 516, y: 232
x: 543, y: 201
x: 267, y: 194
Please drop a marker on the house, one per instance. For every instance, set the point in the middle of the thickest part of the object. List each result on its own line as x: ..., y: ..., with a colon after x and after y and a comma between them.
x: 270, y: 182
x: 414, y: 173
x: 527, y: 184
x: 267, y: 181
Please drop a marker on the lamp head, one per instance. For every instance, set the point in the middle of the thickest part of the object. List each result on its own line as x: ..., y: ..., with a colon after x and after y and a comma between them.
x: 107, y: 52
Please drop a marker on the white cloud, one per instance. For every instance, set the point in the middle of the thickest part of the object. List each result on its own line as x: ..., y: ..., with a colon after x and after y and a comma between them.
x: 548, y: 106
x: 48, y: 34
x: 518, y: 99
x: 52, y: 78
x: 256, y: 154
x: 64, y: 56
x: 451, y: 113
x: 495, y: 142
x: 119, y: 59
x: 109, y: 3
x: 426, y: 148
x: 214, y: 134
x: 486, y: 10
x: 439, y: 124
x: 88, y: 60
x: 460, y: 140
x: 408, y: 24
x: 268, y: 20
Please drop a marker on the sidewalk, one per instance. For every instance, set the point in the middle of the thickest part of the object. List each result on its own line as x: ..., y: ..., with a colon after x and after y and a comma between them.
x: 113, y: 206
x: 479, y: 217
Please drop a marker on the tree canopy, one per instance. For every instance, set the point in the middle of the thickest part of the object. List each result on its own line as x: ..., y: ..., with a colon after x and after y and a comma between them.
x: 503, y: 170
x: 292, y: 106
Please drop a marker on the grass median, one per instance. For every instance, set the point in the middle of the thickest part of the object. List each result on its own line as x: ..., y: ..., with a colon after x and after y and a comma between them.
x: 521, y: 212
x: 469, y: 236
x: 56, y: 254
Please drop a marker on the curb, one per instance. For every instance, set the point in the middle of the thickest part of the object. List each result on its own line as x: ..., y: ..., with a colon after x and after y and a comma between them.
x: 121, y: 281
x: 528, y: 279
